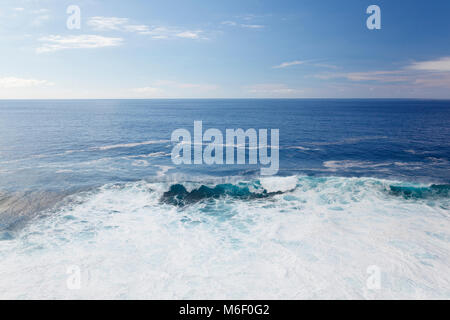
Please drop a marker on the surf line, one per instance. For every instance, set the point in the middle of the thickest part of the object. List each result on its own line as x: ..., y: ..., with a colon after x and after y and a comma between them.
x: 213, y: 153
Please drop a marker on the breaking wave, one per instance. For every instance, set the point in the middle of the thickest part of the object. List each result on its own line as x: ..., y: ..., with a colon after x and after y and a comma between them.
x: 433, y: 191
x: 269, y: 238
x: 266, y: 187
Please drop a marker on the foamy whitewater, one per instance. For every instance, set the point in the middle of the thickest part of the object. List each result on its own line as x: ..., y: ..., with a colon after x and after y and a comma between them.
x: 296, y: 237
x: 89, y: 186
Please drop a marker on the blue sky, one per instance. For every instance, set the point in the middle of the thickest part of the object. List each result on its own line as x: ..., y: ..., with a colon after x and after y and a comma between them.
x: 224, y: 49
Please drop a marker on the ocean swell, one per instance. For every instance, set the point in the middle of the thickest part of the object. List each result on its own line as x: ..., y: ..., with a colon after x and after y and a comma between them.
x: 290, y: 237
x: 421, y: 192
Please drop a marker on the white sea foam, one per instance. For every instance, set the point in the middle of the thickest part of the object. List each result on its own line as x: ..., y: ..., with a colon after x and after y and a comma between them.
x: 130, y: 145
x: 275, y: 184
x: 315, y: 241
x: 152, y: 155
x: 303, y: 148
x: 63, y: 171
x: 349, y: 140
x: 163, y: 170
x: 140, y: 163
x: 346, y: 164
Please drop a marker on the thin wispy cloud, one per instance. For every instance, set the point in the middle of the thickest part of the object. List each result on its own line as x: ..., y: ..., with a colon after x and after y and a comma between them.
x: 272, y: 90
x: 116, y: 24
x: 40, y: 11
x: 14, y: 82
x: 229, y: 23
x: 38, y: 30
x: 288, y: 64
x: 304, y: 62
x: 57, y: 42
x: 252, y: 26
x: 380, y: 76
x: 155, y: 32
x: 242, y: 25
x: 325, y: 65
x: 435, y: 80
x: 138, y: 28
x: 149, y: 91
x: 173, y: 33
x: 431, y: 73
x: 438, y: 65
x: 107, y: 23
x: 384, y: 76
x: 168, y: 88
x: 36, y: 17
x: 252, y: 17
x: 39, y: 20
x: 246, y: 21
x: 189, y: 34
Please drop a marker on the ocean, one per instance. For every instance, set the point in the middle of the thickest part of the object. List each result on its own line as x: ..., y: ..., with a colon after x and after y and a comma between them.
x: 90, y: 186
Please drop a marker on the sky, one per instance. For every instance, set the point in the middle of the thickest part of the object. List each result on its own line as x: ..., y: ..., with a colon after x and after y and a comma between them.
x: 223, y: 49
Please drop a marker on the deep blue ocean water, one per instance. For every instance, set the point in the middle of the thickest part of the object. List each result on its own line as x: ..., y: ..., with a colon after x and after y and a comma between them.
x: 63, y: 144
x: 91, y: 183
